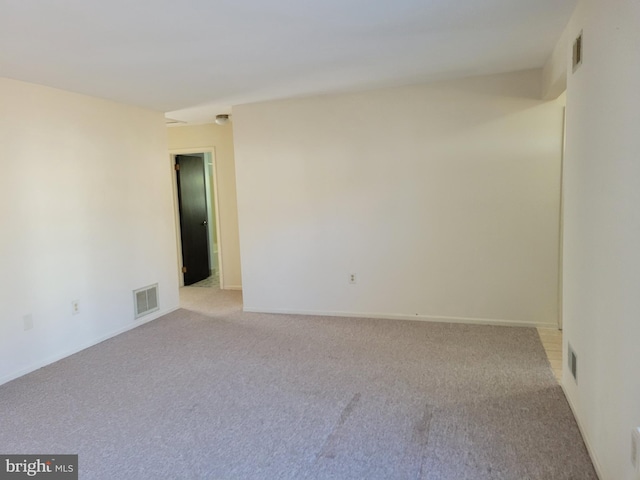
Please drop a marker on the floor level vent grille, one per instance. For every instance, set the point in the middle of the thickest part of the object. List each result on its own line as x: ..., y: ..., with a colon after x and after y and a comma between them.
x: 145, y: 300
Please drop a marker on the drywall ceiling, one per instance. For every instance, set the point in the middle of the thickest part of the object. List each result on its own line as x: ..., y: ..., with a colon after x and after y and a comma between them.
x: 196, y: 58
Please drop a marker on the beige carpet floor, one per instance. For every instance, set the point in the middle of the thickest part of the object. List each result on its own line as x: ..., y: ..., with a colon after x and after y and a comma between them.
x: 210, y: 392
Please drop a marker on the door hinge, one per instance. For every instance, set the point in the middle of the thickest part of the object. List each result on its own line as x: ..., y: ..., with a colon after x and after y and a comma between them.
x: 176, y: 167
x: 184, y: 269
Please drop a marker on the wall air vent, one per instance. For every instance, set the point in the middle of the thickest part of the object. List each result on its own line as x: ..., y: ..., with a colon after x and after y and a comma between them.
x: 577, y: 52
x: 573, y: 362
x: 145, y: 300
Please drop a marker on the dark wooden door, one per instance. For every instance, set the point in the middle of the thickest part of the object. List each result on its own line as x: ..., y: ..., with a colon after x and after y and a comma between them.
x: 192, y: 201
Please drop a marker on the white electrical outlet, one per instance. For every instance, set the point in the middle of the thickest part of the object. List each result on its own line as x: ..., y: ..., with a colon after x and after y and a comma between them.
x: 75, y: 307
x: 635, y: 449
x: 352, y: 278
x: 27, y: 322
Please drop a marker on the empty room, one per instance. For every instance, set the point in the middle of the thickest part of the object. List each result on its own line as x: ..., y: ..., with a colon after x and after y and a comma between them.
x: 320, y: 240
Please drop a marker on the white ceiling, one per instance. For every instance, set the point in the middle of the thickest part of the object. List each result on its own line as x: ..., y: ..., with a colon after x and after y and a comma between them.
x: 196, y: 58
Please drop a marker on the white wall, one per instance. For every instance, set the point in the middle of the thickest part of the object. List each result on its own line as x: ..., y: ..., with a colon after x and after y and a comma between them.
x: 192, y: 138
x: 554, y: 72
x: 442, y: 198
x: 602, y: 230
x: 86, y: 214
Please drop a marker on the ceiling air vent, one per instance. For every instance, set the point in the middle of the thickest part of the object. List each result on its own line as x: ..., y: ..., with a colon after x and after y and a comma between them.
x: 145, y: 300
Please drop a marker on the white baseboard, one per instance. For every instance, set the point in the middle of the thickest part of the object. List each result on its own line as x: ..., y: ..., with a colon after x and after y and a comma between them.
x: 404, y: 316
x: 585, y: 437
x: 232, y: 287
x: 54, y: 358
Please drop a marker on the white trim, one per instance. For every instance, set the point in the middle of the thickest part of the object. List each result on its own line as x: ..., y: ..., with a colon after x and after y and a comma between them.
x: 561, y: 225
x: 186, y: 151
x: 585, y: 437
x: 48, y: 361
x: 404, y: 316
x: 176, y: 218
x: 232, y: 287
x: 216, y: 206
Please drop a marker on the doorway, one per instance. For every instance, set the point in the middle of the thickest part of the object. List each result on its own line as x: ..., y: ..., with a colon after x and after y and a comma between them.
x: 197, y: 217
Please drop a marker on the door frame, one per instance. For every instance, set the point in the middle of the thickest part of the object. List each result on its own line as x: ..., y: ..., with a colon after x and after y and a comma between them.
x: 176, y: 208
x: 561, y: 226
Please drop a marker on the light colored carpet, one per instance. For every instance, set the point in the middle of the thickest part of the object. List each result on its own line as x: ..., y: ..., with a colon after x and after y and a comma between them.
x: 209, y: 282
x: 232, y: 395
x: 211, y: 301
